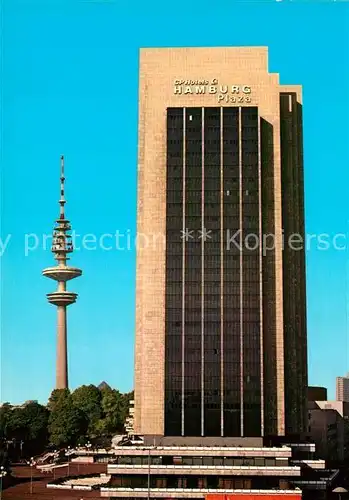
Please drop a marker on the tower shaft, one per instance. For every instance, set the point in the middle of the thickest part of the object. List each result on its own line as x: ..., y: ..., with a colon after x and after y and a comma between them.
x: 61, y: 246
x: 62, y: 353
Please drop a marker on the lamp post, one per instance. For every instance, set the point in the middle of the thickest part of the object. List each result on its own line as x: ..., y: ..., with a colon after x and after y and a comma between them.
x: 88, y: 446
x: 53, y: 464
x: 2, y: 474
x: 68, y: 461
x: 31, y: 475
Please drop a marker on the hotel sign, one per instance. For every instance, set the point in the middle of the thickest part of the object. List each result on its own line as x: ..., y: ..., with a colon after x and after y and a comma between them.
x: 224, y: 93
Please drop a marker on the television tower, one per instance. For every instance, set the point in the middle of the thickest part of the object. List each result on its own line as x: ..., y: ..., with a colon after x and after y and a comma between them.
x: 61, y: 246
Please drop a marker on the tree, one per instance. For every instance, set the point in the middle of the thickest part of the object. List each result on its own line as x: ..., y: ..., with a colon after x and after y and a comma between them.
x: 36, y: 418
x: 101, y: 427
x: 26, y: 425
x: 5, y: 414
x: 128, y: 396
x: 88, y: 399
x: 17, y: 425
x: 4, y: 459
x: 56, y: 396
x: 113, y: 406
x: 67, y: 423
x: 88, y: 412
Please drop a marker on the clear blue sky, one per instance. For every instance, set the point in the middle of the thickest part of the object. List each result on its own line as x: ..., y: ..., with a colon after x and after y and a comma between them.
x: 70, y: 84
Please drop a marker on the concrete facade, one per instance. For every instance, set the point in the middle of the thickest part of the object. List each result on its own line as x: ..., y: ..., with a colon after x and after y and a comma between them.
x: 342, y: 389
x: 160, y: 87
x: 329, y: 429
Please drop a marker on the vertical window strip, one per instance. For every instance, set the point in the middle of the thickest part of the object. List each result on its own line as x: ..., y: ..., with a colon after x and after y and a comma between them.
x: 222, y: 275
x: 241, y: 283
x: 202, y: 270
x: 183, y: 274
x: 260, y: 271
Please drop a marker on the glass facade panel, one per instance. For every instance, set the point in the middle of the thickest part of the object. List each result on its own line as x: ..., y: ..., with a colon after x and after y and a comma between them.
x: 193, y: 274
x: 295, y: 354
x: 212, y: 274
x: 174, y: 266
x: 231, y: 273
x: 219, y: 188
x: 251, y: 273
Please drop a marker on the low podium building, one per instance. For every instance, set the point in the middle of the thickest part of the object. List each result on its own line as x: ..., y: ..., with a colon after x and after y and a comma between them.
x: 202, y: 472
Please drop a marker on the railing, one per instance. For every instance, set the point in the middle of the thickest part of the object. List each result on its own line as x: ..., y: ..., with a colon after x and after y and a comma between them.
x: 205, y: 467
x: 236, y: 470
x: 209, y: 448
x: 199, y: 490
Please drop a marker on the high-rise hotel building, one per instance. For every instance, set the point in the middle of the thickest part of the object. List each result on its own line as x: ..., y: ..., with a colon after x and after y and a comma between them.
x: 342, y: 389
x: 221, y: 347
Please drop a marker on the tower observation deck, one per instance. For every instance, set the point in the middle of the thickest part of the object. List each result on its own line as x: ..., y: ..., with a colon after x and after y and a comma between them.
x: 61, y: 246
